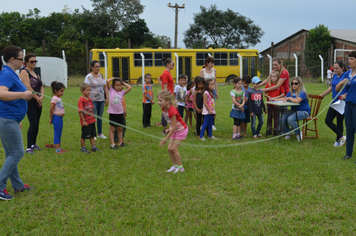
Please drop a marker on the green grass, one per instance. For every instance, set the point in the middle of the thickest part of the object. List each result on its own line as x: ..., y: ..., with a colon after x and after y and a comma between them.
x: 248, y: 188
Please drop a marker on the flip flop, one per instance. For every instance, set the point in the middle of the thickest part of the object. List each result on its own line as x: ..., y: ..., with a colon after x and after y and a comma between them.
x: 49, y: 145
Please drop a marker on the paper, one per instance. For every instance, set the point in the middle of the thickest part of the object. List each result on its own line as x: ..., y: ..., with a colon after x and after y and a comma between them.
x: 339, y: 106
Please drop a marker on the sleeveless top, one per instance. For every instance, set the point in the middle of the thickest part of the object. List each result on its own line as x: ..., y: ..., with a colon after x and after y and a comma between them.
x: 210, y: 102
x: 35, y: 82
x: 209, y: 76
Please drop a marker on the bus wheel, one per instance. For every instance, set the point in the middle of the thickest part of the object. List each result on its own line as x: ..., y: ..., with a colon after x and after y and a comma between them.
x: 230, y: 79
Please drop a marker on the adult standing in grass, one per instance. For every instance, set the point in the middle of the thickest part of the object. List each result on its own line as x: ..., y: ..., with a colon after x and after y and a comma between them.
x: 33, y: 82
x: 167, y: 82
x: 339, y: 69
x: 350, y: 108
x: 99, y: 94
x: 208, y: 72
x: 13, y: 108
x: 277, y: 65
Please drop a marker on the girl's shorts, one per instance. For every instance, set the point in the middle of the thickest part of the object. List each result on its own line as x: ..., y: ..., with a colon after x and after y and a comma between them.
x: 180, y: 134
x: 190, y: 109
x: 116, y: 119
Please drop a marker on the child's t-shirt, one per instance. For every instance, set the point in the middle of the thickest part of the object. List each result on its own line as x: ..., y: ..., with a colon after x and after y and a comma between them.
x: 180, y: 94
x: 255, y: 102
x: 115, y: 99
x: 274, y: 93
x: 172, y: 111
x: 190, y: 103
x: 87, y: 106
x: 147, y: 89
x: 210, y: 102
x: 239, y: 96
x: 58, y: 108
x: 247, y: 91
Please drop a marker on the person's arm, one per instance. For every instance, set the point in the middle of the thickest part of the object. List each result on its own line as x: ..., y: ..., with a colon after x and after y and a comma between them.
x: 165, y: 87
x: 195, y: 103
x: 294, y: 100
x: 108, y: 85
x: 216, y: 86
x: 172, y: 129
x: 341, y: 84
x: 234, y: 101
x: 40, y: 100
x: 205, y: 102
x: 274, y: 87
x: 6, y: 95
x: 106, y: 91
x: 326, y: 92
x: 250, y: 104
x: 81, y: 115
x: 124, y: 106
x: 51, y: 109
x: 25, y: 78
x: 201, y: 73
x: 243, y: 102
x: 128, y: 87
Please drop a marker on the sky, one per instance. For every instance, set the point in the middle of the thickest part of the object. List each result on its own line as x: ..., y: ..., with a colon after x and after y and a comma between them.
x: 277, y: 19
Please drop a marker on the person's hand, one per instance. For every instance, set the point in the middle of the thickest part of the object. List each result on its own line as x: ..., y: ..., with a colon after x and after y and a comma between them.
x: 186, y: 108
x: 85, y: 123
x: 320, y: 95
x: 125, y: 114
x: 39, y: 102
x: 27, y: 95
x: 252, y: 114
x: 20, y: 124
x: 106, y: 102
x: 342, y: 97
x: 152, y: 103
x: 210, y: 112
x: 198, y: 110
x: 163, y: 142
x: 242, y: 109
x: 50, y: 122
x: 217, y: 96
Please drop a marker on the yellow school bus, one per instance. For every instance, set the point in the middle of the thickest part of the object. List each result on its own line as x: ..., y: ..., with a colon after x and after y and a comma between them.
x: 127, y: 63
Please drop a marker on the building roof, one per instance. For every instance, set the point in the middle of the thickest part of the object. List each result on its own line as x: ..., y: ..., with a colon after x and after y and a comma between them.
x: 347, y: 35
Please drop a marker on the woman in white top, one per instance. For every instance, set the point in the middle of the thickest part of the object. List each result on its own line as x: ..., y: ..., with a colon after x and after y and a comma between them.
x: 97, y: 94
x: 210, y: 73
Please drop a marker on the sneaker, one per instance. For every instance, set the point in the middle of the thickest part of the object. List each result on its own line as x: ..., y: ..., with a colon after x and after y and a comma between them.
x: 95, y: 149
x: 84, y: 149
x: 213, y: 138
x: 301, y: 135
x: 5, y: 196
x: 346, y: 158
x: 255, y: 136
x: 29, y: 150
x: 115, y: 147
x: 336, y: 144
x: 102, y: 136
x: 173, y: 168
x: 298, y: 138
x: 35, y: 147
x: 95, y: 138
x: 202, y: 139
x: 240, y: 137
x: 122, y: 145
x: 214, y: 128
x: 342, y: 141
x: 25, y: 187
x: 287, y: 137
x: 178, y: 169
x: 235, y: 138
x: 61, y: 151
x: 259, y: 135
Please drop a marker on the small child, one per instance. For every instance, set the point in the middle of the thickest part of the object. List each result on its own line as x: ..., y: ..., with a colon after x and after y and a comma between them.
x: 208, y: 109
x: 255, y: 105
x: 189, y: 101
x: 273, y: 111
x: 237, y: 112
x: 116, y: 110
x: 246, y: 80
x: 147, y: 101
x: 198, y: 102
x: 177, y: 131
x: 180, y: 91
x: 87, y: 119
x: 56, y: 113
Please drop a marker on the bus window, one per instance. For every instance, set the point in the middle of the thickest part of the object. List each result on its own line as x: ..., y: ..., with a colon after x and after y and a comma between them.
x: 138, y: 59
x: 220, y: 58
x: 201, y: 56
x: 245, y: 64
x: 159, y: 56
x: 101, y: 59
x: 234, y: 59
x: 253, y: 66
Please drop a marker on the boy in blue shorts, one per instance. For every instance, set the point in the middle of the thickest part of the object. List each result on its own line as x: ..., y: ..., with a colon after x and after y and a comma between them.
x: 246, y: 80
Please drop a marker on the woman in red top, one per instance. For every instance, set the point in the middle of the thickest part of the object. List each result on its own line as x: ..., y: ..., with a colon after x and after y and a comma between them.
x: 167, y: 83
x: 277, y: 64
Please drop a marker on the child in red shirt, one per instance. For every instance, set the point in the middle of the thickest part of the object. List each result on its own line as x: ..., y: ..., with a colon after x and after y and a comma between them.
x: 87, y: 119
x: 271, y: 96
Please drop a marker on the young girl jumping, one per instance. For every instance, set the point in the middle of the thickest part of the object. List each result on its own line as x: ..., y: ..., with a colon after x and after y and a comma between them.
x: 237, y: 112
x: 177, y: 131
x: 272, y: 96
x: 56, y: 113
x: 189, y: 101
x: 116, y: 110
x: 208, y: 110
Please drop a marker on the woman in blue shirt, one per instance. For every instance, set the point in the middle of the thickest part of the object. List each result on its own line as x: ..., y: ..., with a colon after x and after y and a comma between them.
x: 339, y: 69
x: 350, y: 108
x: 297, y: 94
x: 13, y: 108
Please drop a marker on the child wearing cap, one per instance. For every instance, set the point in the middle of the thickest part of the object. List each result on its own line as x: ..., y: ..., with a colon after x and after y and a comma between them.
x: 255, y: 105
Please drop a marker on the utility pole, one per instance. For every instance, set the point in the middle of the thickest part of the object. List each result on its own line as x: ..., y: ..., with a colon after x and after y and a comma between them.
x: 176, y: 9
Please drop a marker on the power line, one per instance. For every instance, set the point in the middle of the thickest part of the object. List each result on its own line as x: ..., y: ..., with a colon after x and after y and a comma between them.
x: 176, y: 9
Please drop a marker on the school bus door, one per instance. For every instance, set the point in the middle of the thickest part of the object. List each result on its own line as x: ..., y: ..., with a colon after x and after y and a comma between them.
x: 121, y: 68
x: 185, y: 66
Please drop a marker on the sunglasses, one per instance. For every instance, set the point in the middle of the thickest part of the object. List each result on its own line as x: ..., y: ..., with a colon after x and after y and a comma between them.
x: 33, y: 62
x: 294, y: 83
x: 20, y: 59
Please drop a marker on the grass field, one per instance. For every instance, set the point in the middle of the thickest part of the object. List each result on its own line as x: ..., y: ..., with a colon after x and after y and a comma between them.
x: 244, y: 187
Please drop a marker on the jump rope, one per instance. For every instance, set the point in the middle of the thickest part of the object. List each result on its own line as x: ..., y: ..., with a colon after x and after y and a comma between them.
x: 200, y: 145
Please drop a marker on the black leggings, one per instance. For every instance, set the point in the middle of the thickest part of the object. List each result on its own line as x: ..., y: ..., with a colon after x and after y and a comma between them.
x: 237, y: 122
x: 339, y: 128
x: 33, y: 114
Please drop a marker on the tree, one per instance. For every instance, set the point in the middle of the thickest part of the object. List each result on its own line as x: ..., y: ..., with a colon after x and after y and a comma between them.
x: 318, y: 42
x: 222, y: 29
x: 121, y: 12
